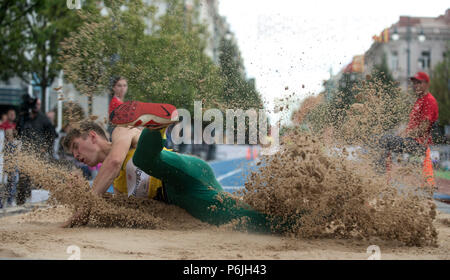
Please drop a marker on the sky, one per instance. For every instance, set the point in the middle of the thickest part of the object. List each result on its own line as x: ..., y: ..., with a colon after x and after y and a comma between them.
x: 294, y: 43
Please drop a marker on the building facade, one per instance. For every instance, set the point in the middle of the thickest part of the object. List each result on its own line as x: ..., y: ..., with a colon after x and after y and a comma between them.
x: 410, y: 45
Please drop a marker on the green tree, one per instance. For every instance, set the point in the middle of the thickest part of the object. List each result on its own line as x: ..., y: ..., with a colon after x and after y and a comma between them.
x: 34, y: 31
x: 12, y: 22
x: 342, y: 99
x: 238, y: 91
x: 381, y: 72
x: 440, y: 88
x: 162, y: 57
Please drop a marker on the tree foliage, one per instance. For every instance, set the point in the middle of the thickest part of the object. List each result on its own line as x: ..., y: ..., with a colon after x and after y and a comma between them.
x: 354, y: 88
x: 238, y: 91
x: 32, y: 31
x: 162, y: 57
x: 440, y: 88
x: 161, y: 53
x: 381, y: 72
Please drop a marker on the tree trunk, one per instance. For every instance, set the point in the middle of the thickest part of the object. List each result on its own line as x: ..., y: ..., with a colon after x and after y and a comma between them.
x: 44, y: 95
x: 90, y: 99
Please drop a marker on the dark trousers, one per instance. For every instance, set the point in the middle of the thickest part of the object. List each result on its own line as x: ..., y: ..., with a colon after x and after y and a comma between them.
x: 23, y: 189
x: 396, y: 144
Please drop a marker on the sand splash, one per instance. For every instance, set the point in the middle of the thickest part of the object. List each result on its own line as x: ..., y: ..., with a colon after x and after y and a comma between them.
x: 322, y: 183
x: 319, y: 193
x: 68, y: 187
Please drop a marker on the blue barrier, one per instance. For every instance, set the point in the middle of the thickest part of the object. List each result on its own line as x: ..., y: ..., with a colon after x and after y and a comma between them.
x: 442, y: 197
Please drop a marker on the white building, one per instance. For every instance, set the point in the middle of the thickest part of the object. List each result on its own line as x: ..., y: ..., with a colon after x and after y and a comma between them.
x: 414, y: 44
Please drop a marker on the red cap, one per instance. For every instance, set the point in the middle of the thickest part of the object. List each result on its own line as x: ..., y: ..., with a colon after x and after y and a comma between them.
x: 421, y: 76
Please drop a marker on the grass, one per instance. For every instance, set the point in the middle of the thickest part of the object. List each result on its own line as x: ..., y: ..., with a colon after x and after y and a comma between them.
x: 442, y: 174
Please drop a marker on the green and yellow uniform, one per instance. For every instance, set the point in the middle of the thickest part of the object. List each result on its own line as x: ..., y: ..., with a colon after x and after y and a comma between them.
x: 189, y: 182
x: 135, y: 182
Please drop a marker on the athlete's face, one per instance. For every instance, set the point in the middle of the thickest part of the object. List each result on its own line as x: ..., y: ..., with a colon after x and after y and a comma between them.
x: 85, y: 150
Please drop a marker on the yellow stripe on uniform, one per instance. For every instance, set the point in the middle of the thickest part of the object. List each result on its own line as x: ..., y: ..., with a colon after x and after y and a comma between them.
x: 121, y: 182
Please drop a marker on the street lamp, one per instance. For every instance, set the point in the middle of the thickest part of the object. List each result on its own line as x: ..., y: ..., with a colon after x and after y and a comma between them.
x: 395, y: 35
x: 421, y: 37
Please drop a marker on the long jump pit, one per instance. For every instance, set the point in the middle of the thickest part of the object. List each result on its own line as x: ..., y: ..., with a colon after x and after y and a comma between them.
x: 37, y: 235
x: 345, y: 218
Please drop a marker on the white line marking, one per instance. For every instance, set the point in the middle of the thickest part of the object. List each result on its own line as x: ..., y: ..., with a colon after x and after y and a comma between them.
x: 233, y: 187
x: 231, y: 173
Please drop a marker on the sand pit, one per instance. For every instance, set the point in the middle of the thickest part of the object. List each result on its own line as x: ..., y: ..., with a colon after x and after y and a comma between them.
x: 37, y: 235
x: 168, y: 232
x: 121, y: 228
x: 341, y: 214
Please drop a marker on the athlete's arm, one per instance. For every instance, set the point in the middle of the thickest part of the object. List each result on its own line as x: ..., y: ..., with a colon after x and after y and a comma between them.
x: 121, y: 142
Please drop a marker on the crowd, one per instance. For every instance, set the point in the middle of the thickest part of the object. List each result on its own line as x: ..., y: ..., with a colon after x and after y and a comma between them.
x: 29, y: 128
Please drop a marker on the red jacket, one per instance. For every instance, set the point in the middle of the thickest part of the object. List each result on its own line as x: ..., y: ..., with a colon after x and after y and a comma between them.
x: 115, y: 102
x: 7, y: 125
x: 425, y: 109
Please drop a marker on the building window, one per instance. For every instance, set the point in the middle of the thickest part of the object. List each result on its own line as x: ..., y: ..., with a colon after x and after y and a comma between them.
x: 394, y: 61
x: 425, y: 60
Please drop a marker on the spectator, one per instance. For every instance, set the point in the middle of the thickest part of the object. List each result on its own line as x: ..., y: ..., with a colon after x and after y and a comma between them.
x: 51, y: 117
x: 11, y: 146
x: 37, y: 134
x: 35, y: 128
x: 10, y: 120
x: 4, y: 118
x: 119, y: 90
x: 417, y: 136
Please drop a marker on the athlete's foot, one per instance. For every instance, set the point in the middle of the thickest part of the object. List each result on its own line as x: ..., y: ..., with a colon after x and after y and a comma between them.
x: 151, y: 115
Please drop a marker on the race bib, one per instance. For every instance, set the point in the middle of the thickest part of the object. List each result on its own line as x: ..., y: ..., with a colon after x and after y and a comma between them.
x: 137, y: 181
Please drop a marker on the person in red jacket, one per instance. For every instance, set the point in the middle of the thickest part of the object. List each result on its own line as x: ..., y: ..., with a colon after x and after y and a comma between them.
x: 10, y: 122
x: 119, y: 88
x: 417, y: 135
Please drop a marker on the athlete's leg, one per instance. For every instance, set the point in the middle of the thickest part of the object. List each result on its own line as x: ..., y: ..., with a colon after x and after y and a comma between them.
x: 168, y: 166
x: 191, y: 184
x: 189, y: 181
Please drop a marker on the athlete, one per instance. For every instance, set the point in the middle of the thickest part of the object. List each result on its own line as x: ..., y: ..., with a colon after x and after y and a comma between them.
x: 182, y: 180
